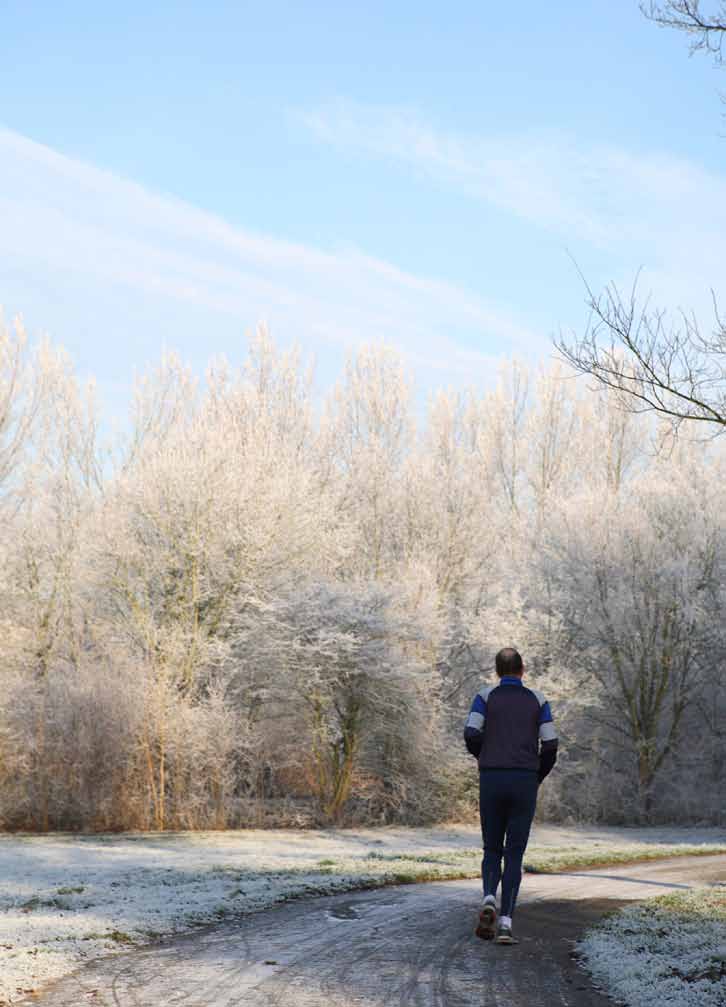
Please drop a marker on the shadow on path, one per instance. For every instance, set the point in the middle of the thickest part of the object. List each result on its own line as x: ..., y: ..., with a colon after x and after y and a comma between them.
x: 622, y: 877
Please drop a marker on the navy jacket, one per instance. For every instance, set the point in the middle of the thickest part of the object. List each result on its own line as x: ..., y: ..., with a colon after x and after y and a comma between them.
x: 510, y: 727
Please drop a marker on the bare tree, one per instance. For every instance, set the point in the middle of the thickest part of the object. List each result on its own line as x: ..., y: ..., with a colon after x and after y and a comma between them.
x: 650, y: 362
x: 707, y: 31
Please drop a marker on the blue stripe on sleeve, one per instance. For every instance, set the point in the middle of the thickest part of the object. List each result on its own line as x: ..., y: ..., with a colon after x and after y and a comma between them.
x: 545, y: 714
x: 479, y: 706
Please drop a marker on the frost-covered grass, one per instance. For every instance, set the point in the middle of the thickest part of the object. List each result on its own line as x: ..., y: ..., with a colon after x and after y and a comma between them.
x: 65, y: 899
x: 550, y: 860
x: 669, y: 951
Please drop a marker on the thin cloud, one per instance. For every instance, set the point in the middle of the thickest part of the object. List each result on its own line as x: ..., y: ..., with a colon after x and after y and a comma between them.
x: 61, y: 215
x: 667, y: 211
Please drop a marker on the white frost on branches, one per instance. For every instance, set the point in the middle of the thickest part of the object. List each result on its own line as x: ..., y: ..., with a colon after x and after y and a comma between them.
x: 256, y: 608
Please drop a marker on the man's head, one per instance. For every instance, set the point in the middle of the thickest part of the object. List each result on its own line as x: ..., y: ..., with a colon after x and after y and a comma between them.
x: 509, y: 662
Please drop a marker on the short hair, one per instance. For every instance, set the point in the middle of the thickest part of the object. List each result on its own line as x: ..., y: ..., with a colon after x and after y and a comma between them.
x: 508, y: 662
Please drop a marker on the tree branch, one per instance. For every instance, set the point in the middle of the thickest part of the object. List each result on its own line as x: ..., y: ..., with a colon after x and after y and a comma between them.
x: 653, y: 366
x: 706, y: 31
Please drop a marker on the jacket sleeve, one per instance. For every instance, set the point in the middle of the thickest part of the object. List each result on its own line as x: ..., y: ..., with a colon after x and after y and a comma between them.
x: 547, y: 741
x: 474, y: 728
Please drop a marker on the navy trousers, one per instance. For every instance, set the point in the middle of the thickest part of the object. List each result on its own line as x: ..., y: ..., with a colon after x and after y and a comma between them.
x: 507, y: 801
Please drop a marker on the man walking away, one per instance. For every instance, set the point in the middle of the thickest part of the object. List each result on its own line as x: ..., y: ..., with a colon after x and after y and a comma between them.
x: 510, y: 731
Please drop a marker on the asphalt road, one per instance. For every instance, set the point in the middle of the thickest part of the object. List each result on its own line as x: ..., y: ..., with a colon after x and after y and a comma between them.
x: 412, y: 945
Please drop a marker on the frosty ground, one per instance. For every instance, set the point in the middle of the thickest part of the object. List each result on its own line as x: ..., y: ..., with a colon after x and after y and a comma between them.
x: 66, y: 899
x: 669, y: 950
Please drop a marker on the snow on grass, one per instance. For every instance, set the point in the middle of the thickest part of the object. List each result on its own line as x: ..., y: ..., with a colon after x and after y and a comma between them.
x: 65, y: 899
x: 669, y: 951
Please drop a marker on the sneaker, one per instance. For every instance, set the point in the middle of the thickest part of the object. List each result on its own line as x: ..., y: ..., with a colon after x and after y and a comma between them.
x: 487, y: 921
x: 504, y: 935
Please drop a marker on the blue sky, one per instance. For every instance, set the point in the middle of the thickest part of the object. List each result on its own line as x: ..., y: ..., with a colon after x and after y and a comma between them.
x: 417, y: 173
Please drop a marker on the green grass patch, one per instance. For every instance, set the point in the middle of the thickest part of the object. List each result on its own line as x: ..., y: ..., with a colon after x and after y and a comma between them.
x: 119, y: 937
x: 376, y: 868
x: 449, y: 865
x: 696, y: 904
x: 37, y: 903
x: 551, y: 860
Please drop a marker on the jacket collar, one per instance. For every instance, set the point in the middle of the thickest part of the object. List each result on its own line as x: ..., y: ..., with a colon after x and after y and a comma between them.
x: 510, y: 680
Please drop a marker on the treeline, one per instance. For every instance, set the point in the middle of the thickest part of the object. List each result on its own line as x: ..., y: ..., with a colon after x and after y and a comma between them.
x: 256, y: 609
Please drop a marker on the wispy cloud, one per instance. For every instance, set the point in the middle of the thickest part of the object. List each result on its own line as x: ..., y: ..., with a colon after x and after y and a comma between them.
x: 652, y: 207
x: 61, y: 215
x: 521, y: 174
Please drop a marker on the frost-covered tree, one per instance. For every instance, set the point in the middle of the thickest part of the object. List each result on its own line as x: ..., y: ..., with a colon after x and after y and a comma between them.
x: 451, y: 514
x: 350, y: 687
x: 507, y: 411
x: 368, y: 434
x: 637, y: 590
x: 251, y: 609
x: 43, y: 557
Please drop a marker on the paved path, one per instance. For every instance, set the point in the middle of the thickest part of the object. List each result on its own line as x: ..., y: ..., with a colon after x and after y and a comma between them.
x: 410, y: 945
